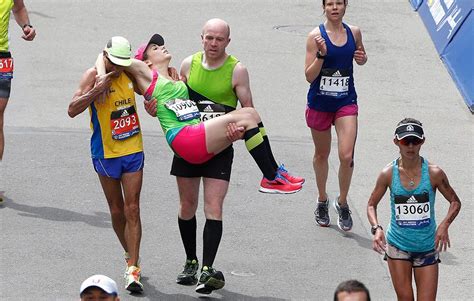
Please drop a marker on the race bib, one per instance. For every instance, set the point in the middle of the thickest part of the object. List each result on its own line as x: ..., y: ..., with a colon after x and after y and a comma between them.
x: 124, y: 123
x: 412, y: 211
x: 334, y: 82
x: 210, y: 109
x: 184, y: 109
x: 6, y: 68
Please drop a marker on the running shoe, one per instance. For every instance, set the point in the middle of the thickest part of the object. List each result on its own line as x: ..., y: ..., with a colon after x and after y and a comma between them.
x: 292, y: 179
x: 344, y: 221
x: 321, y: 214
x: 127, y: 259
x: 210, y: 280
x: 278, y: 185
x: 132, y: 280
x: 188, y: 275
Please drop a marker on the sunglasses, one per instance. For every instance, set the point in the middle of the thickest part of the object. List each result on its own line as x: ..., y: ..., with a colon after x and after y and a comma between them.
x: 411, y: 140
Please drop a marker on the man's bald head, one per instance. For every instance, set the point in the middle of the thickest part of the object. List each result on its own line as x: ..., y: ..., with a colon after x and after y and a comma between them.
x: 216, y: 24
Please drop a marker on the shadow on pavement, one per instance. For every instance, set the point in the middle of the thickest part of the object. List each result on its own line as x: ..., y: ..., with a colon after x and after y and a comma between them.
x: 154, y: 294
x: 100, y: 219
x: 361, y: 240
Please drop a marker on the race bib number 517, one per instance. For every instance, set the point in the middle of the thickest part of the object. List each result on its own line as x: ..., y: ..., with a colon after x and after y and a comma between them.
x: 6, y: 68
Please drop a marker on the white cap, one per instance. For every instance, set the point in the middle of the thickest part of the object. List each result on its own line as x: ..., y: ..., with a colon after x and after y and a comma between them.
x: 103, y: 282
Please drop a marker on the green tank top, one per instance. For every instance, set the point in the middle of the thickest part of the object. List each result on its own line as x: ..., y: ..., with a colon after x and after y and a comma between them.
x: 214, y: 84
x: 5, y: 9
x: 174, y: 109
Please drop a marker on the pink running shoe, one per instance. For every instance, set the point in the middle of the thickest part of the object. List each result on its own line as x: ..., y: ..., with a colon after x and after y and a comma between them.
x: 292, y: 179
x: 278, y: 185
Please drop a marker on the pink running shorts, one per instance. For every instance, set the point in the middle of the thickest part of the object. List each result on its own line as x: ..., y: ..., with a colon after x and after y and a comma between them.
x: 190, y: 144
x: 322, y: 121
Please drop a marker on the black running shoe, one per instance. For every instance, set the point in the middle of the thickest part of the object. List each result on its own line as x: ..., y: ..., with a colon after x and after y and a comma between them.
x: 321, y: 214
x: 188, y: 275
x: 344, y: 221
x: 210, y: 280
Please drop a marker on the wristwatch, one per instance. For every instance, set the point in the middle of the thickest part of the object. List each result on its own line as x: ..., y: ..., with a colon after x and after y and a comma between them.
x: 373, y: 229
x: 319, y: 55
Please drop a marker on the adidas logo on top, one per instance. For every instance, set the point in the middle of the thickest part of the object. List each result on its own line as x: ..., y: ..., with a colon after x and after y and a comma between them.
x: 124, y: 113
x: 337, y: 73
x: 412, y: 199
x: 208, y: 109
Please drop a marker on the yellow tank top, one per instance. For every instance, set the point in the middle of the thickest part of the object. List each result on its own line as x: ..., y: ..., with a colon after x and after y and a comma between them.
x: 5, y: 9
x: 115, y: 125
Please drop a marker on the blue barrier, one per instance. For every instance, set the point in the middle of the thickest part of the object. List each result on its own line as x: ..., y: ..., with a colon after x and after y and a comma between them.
x: 450, y: 24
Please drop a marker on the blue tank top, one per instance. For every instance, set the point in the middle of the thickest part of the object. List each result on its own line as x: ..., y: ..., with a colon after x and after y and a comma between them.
x: 334, y: 86
x: 412, y: 225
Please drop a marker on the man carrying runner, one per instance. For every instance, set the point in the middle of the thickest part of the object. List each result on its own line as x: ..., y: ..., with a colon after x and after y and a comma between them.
x: 216, y: 81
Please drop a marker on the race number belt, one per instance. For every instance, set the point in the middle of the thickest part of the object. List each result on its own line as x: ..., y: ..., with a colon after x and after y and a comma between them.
x: 6, y: 68
x: 412, y: 211
x: 334, y: 82
x: 124, y: 123
x: 210, y: 109
x: 184, y: 109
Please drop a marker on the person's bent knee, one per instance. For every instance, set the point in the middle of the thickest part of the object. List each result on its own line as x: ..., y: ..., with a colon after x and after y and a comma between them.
x: 250, y: 114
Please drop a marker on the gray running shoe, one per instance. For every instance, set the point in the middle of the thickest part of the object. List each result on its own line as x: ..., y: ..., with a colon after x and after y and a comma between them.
x: 188, y: 275
x: 344, y: 221
x: 210, y: 280
x: 321, y: 214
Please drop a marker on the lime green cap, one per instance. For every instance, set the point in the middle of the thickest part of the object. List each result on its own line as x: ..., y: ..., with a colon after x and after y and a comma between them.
x: 119, y: 51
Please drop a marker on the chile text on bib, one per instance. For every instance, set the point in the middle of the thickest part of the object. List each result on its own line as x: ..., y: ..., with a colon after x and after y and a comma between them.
x: 6, y: 68
x: 412, y: 211
x: 124, y: 123
x: 184, y: 109
x: 334, y: 82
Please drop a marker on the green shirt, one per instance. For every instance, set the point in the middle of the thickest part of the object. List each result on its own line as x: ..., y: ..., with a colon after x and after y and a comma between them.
x: 5, y: 9
x: 214, y: 84
x: 165, y: 92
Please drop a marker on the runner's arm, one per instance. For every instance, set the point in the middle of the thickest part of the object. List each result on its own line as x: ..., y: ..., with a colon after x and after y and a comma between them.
x: 360, y: 56
x: 89, y: 89
x: 383, y: 182
x: 241, y: 84
x: 312, y: 65
x: 185, y: 68
x: 440, y: 181
x: 21, y: 16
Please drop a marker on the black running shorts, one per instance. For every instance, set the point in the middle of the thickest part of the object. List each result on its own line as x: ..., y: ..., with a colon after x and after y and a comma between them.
x: 5, y: 83
x: 219, y: 167
x: 5, y: 87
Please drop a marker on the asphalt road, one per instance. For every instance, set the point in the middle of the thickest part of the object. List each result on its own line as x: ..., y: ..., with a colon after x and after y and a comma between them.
x: 55, y: 225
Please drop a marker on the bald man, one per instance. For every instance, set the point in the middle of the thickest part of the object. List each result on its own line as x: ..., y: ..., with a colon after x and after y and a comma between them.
x: 217, y: 81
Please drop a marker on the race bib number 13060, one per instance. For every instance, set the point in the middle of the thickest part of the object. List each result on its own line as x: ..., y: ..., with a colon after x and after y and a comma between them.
x: 412, y: 211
